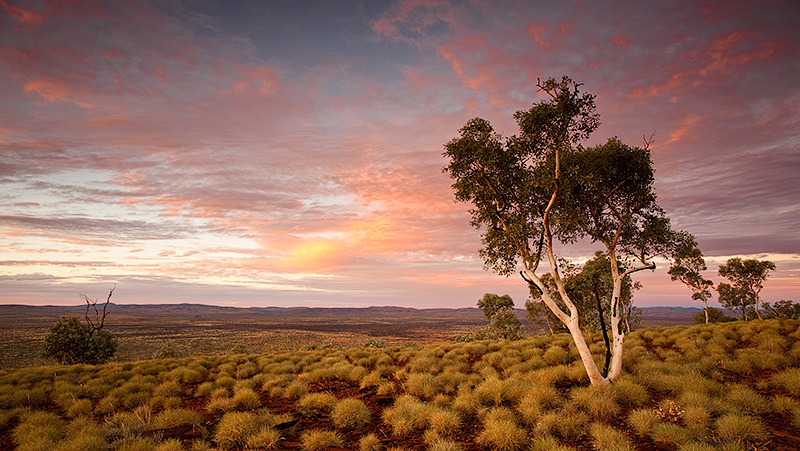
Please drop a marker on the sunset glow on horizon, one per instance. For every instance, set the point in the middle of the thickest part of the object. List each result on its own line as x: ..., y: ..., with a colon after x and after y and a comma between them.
x: 289, y: 153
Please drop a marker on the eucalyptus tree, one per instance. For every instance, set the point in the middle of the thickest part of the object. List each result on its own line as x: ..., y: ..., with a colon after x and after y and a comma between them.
x: 688, y: 266
x: 748, y: 278
x: 534, y: 190
x: 492, y: 303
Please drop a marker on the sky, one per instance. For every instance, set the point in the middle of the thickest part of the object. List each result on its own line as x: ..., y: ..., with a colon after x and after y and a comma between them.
x: 289, y: 153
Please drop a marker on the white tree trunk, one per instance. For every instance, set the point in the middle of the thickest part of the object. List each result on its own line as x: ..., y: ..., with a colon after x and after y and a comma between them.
x: 572, y: 321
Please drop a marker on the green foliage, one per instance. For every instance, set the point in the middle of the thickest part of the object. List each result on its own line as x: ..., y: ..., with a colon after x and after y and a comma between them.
x: 69, y: 342
x: 493, y: 303
x: 541, y: 186
x: 715, y: 315
x: 782, y: 309
x: 687, y: 266
x: 747, y: 277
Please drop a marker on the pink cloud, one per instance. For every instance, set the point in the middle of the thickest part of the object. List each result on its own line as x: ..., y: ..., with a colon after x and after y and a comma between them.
x: 537, y: 32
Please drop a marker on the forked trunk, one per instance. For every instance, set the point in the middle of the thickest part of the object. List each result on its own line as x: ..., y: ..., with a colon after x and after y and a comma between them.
x: 571, y: 321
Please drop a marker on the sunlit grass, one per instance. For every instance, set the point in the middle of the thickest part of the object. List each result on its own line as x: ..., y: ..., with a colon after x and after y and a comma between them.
x: 710, y: 387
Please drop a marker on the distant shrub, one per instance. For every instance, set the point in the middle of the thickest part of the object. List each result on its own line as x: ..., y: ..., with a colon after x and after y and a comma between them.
x: 168, y: 350
x: 69, y: 342
x: 239, y: 349
x: 375, y: 343
x: 715, y: 315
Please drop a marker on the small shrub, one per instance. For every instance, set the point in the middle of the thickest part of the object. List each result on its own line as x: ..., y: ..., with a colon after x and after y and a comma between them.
x: 670, y: 433
x: 502, y: 433
x: 178, y: 417
x: 168, y: 388
x: 39, y: 430
x: 239, y: 349
x: 642, y: 421
x: 235, y: 429
x: 80, y: 408
x: 548, y: 443
x: 318, y: 439
x: 123, y: 425
x: 442, y: 444
x: 444, y: 421
x: 369, y: 442
x: 296, y: 389
x: 265, y: 438
x: 246, y: 399
x: 423, y: 385
x: 743, y: 399
x: 567, y: 423
x: 741, y: 428
x: 406, y: 415
x: 170, y: 445
x: 316, y: 404
x: 597, y: 400
x: 556, y: 355
x: 787, y: 380
x: 69, y: 342
x: 351, y: 413
x: 609, y: 439
x: 629, y: 393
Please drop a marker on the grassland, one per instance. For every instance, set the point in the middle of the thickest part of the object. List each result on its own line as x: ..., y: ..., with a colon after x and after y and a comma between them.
x: 733, y: 386
x: 208, y: 330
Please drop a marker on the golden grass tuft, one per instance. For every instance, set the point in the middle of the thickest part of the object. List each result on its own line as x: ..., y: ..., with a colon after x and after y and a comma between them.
x: 350, y: 413
x: 318, y: 439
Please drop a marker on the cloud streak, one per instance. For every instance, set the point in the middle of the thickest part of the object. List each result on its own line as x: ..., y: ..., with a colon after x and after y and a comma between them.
x: 259, y: 154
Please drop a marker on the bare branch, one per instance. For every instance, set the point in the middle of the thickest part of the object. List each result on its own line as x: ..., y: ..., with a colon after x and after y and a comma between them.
x: 649, y: 141
x: 92, y: 324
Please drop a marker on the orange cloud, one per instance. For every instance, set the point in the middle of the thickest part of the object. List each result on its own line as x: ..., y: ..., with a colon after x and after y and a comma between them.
x: 723, y: 51
x: 54, y: 90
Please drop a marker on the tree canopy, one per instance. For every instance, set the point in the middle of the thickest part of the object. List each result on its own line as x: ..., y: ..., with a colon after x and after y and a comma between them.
x: 747, y: 277
x: 542, y: 187
x: 687, y: 266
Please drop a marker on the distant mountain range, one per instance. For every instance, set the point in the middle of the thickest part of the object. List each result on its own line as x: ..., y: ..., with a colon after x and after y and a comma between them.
x: 651, y: 316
